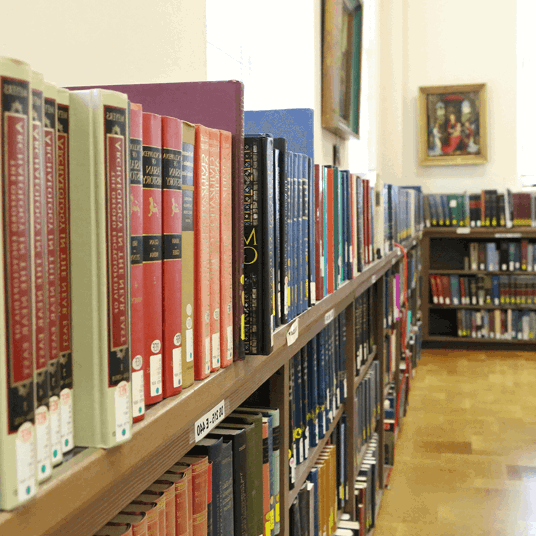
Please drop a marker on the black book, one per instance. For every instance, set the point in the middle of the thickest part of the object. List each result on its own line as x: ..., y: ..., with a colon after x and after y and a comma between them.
x: 294, y: 519
x: 303, y: 504
x: 259, y: 254
x: 277, y: 239
x: 280, y: 145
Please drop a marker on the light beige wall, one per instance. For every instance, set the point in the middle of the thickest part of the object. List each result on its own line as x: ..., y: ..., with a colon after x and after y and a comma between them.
x: 108, y: 41
x: 443, y: 42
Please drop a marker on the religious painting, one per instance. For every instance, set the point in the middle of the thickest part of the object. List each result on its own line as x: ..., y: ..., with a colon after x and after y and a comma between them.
x: 452, y: 125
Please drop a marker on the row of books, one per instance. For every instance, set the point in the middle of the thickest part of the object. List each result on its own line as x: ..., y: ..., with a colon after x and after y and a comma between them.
x: 314, y: 511
x: 489, y: 208
x: 367, y: 406
x: 509, y: 324
x: 483, y: 289
x: 364, y: 327
x: 227, y: 484
x: 366, y: 487
x: 504, y: 256
x: 317, y: 388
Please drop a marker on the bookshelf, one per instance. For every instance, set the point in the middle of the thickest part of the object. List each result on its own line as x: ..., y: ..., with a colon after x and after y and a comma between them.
x: 443, y: 251
x: 89, y: 489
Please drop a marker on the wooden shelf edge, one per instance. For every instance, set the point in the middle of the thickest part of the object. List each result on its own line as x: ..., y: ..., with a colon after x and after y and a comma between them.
x: 479, y: 232
x: 481, y: 272
x: 365, y: 367
x: 525, y: 307
x: 304, y: 469
x: 440, y: 338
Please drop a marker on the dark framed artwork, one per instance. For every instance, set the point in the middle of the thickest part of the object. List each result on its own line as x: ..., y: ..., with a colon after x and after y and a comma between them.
x: 342, y: 30
x: 453, y: 125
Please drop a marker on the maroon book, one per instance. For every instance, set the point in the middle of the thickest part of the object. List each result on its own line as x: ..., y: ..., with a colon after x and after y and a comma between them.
x: 217, y: 105
x: 522, y: 212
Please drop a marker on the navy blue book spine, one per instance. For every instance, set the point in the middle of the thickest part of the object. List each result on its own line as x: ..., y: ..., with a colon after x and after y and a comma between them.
x: 343, y: 336
x: 298, y: 399
x: 320, y: 383
x: 313, y: 390
x: 291, y: 421
x: 304, y: 236
x: 269, y: 202
x: 360, y: 245
x: 305, y: 401
x: 295, y: 234
x: 311, y: 219
x: 313, y: 478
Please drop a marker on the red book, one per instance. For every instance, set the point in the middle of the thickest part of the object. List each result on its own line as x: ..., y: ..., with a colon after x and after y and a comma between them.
x: 152, y: 255
x: 200, y: 488
x: 168, y: 489
x: 202, y: 356
x: 435, y: 297
x: 330, y: 238
x: 226, y: 247
x: 521, y: 209
x: 137, y: 521
x: 445, y: 287
x: 483, y: 208
x: 184, y: 505
x: 156, y: 517
x: 136, y: 262
x: 172, y: 255
x: 64, y: 257
x: 115, y: 529
x: 462, y: 290
x: 214, y: 218
x: 149, y: 510
x: 319, y: 233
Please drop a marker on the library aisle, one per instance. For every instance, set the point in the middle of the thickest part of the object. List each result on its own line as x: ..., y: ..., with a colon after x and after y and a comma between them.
x: 465, y: 460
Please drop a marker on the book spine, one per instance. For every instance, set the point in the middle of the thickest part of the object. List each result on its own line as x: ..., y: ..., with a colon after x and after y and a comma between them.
x: 311, y: 226
x: 187, y: 243
x: 152, y: 255
x: 214, y: 241
x: 202, y: 356
x: 284, y: 209
x: 268, y: 325
x: 136, y: 261
x: 39, y: 258
x: 318, y: 228
x: 226, y: 239
x: 330, y: 219
x: 172, y: 255
x: 17, y: 435
x: 64, y: 257
x: 52, y: 239
x: 277, y: 237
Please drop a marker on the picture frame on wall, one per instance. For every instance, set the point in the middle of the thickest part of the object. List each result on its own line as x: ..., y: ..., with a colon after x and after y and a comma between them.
x: 453, y: 125
x: 342, y: 30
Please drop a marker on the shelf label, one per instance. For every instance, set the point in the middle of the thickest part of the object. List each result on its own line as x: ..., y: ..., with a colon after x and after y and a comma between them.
x: 373, y: 279
x: 463, y: 230
x: 292, y: 333
x: 329, y: 316
x: 507, y: 235
x: 210, y: 420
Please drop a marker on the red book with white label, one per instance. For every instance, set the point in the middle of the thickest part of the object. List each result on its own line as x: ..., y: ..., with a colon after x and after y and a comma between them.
x: 40, y: 311
x: 172, y: 254
x: 64, y: 257
x: 52, y: 239
x: 139, y: 362
x: 202, y: 346
x: 17, y: 430
x: 152, y: 255
x: 214, y: 201
x: 226, y: 248
x: 330, y: 238
x: 319, y: 233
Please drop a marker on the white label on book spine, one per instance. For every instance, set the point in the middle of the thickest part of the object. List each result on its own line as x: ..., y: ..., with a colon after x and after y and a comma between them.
x: 329, y: 316
x: 210, y: 420
x: 138, y: 397
x: 25, y: 453
x: 122, y: 412
x: 292, y: 333
x: 207, y: 355
x: 216, y: 350
x: 55, y: 429
x: 177, y: 367
x: 229, y: 343
x: 189, y: 345
x: 42, y: 433
x: 66, y: 412
x: 155, y: 374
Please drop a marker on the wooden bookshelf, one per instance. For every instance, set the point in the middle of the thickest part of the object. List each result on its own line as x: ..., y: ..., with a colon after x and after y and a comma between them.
x: 489, y: 306
x: 88, y: 490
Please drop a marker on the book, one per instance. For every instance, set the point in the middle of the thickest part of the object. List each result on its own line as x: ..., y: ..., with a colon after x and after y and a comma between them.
x: 152, y: 255
x: 17, y: 417
x: 172, y: 256
x: 52, y: 245
x: 138, y: 363
x: 156, y: 512
x: 200, y: 480
x: 202, y: 316
x: 226, y: 244
x: 183, y: 517
x: 187, y: 243
x: 39, y: 265
x: 214, y: 241
x: 137, y: 522
x: 147, y: 509
x: 100, y: 268
x: 117, y: 529
x: 64, y: 257
x: 166, y: 489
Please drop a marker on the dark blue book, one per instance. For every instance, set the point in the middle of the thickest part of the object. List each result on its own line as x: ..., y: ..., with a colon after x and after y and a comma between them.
x: 342, y: 361
x: 313, y: 478
x: 295, y: 234
x: 280, y: 144
x: 298, y: 415
x: 336, y: 228
x: 291, y: 424
x: 312, y: 245
x: 312, y: 368
x: 305, y: 415
x: 321, y: 399
x: 304, y: 234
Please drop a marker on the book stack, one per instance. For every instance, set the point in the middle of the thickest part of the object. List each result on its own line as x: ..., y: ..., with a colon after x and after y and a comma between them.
x: 501, y: 256
x: 489, y: 208
x: 317, y: 388
x: 506, y: 324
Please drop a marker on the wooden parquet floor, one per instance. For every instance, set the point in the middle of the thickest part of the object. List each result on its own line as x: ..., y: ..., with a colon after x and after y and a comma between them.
x: 465, y: 460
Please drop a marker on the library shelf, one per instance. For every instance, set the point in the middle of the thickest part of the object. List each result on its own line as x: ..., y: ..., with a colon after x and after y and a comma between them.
x: 481, y: 272
x: 500, y: 233
x: 490, y: 306
x: 481, y: 340
x: 303, y: 470
x: 88, y: 490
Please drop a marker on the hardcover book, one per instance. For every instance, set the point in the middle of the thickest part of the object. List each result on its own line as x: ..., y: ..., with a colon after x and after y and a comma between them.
x: 17, y: 425
x: 100, y: 268
x: 172, y: 255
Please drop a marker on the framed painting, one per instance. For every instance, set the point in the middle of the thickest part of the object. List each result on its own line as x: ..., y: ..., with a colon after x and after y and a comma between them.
x: 342, y: 30
x: 453, y: 125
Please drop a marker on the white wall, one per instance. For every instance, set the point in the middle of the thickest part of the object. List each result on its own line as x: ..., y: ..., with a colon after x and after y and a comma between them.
x: 108, y: 41
x: 443, y: 42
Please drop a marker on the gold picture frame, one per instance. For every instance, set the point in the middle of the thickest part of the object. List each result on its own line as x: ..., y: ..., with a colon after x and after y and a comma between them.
x: 453, y: 125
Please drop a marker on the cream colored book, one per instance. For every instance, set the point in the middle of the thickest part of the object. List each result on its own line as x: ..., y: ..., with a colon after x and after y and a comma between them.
x: 18, y: 480
x: 100, y: 267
